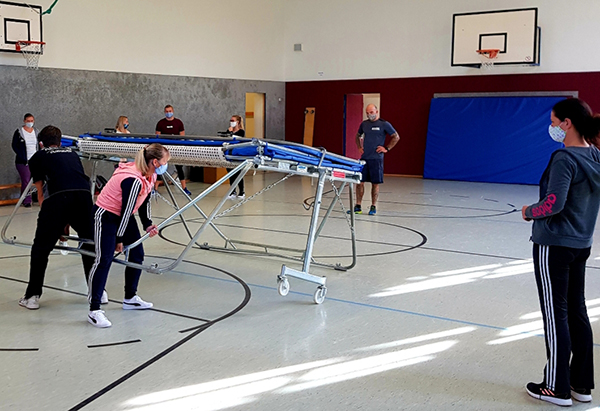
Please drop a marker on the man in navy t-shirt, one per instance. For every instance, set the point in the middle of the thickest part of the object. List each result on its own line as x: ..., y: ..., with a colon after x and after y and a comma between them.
x: 370, y: 141
x: 173, y: 126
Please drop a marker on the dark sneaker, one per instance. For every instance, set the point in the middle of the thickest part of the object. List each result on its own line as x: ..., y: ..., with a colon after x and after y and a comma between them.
x: 372, y: 210
x: 357, y: 210
x: 188, y: 192
x: 540, y: 392
x: 581, y: 394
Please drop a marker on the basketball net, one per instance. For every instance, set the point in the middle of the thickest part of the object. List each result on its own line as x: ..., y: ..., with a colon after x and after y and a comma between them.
x: 31, y: 50
x: 487, y: 58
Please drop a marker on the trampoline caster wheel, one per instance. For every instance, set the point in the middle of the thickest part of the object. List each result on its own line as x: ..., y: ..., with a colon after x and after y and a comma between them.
x: 320, y: 294
x: 283, y: 286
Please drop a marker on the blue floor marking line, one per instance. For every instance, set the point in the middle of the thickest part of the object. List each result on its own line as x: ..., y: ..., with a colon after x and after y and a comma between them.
x: 377, y: 307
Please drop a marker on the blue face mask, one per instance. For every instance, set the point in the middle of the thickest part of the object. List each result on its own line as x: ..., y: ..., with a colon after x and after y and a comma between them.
x: 169, y: 114
x: 161, y: 169
x: 556, y: 133
x: 125, y: 126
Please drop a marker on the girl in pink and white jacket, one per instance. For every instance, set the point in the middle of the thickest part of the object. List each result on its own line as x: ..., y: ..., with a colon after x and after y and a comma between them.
x: 127, y: 191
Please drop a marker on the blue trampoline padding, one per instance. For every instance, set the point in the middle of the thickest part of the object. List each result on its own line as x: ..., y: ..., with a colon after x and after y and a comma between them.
x: 489, y: 139
x: 305, y: 155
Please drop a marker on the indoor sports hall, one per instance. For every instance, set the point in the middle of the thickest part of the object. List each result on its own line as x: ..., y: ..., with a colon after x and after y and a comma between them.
x: 284, y: 298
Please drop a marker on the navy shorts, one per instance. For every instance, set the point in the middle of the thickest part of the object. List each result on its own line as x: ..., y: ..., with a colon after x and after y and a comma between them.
x: 373, y: 171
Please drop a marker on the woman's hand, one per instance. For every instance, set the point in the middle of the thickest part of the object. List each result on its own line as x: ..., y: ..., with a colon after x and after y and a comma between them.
x: 523, y: 213
x: 119, y: 248
x: 152, y: 230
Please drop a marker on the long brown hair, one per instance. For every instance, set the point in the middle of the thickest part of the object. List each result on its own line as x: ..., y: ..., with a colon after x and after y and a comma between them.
x: 239, y: 120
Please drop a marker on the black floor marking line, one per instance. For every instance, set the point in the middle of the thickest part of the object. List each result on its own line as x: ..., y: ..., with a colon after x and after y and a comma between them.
x: 491, y: 199
x: 421, y: 194
x: 178, y: 344
x: 512, y: 205
x: 384, y: 214
x: 459, y: 196
x: 408, y: 248
x: 439, y: 206
x: 111, y: 300
x: 114, y: 344
x: 19, y: 349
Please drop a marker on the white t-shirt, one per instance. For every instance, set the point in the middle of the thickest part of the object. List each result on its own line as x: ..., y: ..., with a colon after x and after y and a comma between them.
x: 30, y: 142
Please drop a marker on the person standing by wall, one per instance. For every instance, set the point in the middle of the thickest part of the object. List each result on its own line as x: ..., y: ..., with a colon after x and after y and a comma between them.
x: 563, y: 227
x: 173, y: 126
x: 25, y: 144
x: 122, y: 125
x: 370, y: 141
x: 236, y: 128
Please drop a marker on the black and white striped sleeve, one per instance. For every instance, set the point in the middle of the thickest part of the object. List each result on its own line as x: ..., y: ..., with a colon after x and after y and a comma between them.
x: 145, y: 212
x: 130, y: 188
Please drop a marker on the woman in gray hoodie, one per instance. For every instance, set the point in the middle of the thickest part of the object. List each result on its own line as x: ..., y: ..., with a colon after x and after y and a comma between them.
x: 563, y: 226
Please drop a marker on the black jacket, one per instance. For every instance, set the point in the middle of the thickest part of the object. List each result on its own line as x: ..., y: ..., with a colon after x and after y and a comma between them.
x: 18, y: 145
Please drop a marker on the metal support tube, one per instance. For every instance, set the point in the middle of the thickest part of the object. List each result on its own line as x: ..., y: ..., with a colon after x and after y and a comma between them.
x: 313, y: 222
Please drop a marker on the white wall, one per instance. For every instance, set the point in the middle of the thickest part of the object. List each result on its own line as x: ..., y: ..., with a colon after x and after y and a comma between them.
x: 353, y: 39
x: 236, y: 39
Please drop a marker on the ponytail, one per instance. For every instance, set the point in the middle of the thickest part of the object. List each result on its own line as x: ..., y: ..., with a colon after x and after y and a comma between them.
x: 579, y: 112
x: 147, y: 154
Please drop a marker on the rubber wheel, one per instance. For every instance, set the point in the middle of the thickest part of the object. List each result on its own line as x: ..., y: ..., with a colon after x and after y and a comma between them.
x: 320, y: 294
x: 283, y: 287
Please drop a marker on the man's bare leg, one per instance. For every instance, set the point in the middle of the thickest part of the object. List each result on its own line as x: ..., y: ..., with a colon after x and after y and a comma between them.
x: 360, y: 192
x: 374, y: 194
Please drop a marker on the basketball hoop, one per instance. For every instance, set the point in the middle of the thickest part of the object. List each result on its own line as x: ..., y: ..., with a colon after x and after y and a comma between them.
x: 32, y: 50
x: 487, y: 57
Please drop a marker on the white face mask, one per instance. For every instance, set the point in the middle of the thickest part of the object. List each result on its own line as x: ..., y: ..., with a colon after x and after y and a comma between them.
x: 29, y: 125
x: 556, y: 133
x: 233, y: 123
x: 372, y: 117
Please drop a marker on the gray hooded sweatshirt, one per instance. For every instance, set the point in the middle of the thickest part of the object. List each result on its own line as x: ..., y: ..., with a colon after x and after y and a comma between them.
x: 570, y: 198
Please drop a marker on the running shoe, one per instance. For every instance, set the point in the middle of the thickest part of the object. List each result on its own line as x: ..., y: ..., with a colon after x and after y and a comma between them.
x: 98, y: 319
x: 357, y: 210
x: 540, y: 392
x: 372, y: 210
x: 581, y: 394
x: 136, y: 303
x: 31, y: 303
x: 104, y: 298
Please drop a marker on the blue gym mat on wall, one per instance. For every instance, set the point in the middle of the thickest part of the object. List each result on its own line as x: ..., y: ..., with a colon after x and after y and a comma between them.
x: 489, y: 139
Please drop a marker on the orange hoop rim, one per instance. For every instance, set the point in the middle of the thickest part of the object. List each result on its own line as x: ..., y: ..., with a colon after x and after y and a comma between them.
x: 23, y: 43
x: 488, y: 53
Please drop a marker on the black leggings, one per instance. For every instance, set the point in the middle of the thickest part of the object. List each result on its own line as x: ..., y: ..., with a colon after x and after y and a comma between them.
x: 240, y: 186
x: 106, y: 225
x: 180, y: 173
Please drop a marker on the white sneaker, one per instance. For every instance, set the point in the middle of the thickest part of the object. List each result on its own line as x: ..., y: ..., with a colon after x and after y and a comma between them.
x: 231, y: 196
x: 241, y: 196
x: 32, y: 303
x: 98, y: 319
x: 104, y: 299
x: 64, y: 244
x: 136, y: 303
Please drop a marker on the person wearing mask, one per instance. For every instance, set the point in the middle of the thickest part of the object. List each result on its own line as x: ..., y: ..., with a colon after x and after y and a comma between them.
x: 171, y: 125
x: 122, y: 125
x: 25, y: 144
x: 564, y: 219
x: 370, y: 141
x: 127, y: 191
x: 236, y: 128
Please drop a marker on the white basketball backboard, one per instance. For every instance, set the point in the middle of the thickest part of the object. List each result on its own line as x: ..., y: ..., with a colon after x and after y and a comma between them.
x: 19, y: 21
x: 514, y: 32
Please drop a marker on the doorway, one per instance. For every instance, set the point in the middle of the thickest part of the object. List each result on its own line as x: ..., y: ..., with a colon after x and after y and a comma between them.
x: 255, y: 115
x: 354, y: 114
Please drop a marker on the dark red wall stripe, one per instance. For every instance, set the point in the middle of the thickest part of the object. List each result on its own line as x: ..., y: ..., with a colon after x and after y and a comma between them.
x: 405, y: 103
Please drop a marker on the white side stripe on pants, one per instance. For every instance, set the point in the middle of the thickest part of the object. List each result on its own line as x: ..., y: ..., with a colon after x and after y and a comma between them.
x: 97, y: 237
x: 548, y: 306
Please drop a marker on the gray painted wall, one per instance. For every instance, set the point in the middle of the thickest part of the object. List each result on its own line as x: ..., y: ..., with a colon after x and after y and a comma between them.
x: 79, y: 101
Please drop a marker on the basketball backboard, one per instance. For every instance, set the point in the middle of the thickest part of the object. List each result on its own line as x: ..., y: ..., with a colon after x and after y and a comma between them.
x: 19, y: 21
x: 514, y: 32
